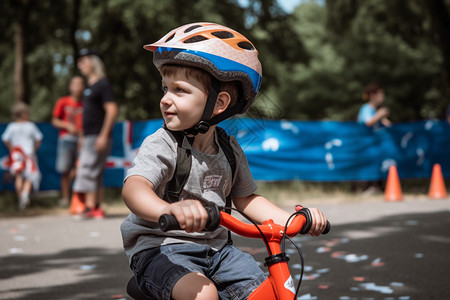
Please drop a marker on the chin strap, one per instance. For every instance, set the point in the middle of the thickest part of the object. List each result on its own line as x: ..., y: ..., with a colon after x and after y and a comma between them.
x: 206, y: 121
x: 204, y: 124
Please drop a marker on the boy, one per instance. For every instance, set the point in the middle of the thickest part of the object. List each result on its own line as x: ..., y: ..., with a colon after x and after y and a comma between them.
x: 67, y: 117
x: 209, y: 73
x: 23, y: 138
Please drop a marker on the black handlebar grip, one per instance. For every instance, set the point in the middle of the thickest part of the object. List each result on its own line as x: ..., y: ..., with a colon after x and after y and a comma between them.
x: 168, y: 222
x: 305, y: 211
x: 327, y: 229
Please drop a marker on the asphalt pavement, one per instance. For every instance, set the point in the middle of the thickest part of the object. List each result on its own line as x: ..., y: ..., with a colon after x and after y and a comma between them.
x: 376, y: 250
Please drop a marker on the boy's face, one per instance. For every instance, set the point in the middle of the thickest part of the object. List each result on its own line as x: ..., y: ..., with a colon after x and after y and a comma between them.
x: 183, y: 101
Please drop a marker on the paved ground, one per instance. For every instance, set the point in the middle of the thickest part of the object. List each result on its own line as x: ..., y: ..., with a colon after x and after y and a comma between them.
x: 376, y: 250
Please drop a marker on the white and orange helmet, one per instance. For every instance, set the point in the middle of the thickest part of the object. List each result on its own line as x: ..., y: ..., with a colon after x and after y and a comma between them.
x: 223, y: 52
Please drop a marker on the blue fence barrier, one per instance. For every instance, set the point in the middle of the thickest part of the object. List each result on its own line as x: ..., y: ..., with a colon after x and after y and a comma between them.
x: 286, y: 150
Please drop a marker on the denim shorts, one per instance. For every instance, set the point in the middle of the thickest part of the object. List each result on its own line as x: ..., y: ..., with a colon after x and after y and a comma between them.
x: 234, y: 273
x: 66, y: 154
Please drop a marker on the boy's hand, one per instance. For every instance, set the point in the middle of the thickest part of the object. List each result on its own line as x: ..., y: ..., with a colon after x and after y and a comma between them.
x: 190, y: 214
x: 319, y: 222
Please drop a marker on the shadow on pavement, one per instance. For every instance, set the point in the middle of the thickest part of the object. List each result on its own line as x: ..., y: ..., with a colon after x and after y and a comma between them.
x: 87, y: 273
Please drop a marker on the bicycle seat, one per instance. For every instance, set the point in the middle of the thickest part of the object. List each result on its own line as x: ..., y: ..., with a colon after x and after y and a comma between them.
x: 134, y: 292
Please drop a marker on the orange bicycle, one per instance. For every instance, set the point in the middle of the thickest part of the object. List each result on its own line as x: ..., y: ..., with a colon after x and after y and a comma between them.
x: 279, y: 285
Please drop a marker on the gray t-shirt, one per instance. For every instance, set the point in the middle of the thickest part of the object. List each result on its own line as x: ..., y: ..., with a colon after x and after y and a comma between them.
x: 209, y: 180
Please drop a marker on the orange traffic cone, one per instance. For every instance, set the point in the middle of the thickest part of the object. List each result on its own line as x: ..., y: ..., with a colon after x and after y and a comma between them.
x: 77, y: 205
x: 393, y: 191
x: 437, y: 186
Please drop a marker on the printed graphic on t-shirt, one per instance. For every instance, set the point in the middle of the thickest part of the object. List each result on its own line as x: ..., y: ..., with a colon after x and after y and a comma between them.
x: 211, y: 182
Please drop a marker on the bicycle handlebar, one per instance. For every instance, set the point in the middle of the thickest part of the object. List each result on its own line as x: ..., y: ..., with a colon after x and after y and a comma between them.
x: 217, y: 217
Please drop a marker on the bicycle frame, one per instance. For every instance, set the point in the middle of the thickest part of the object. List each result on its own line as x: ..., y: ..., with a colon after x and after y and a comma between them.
x: 279, y: 285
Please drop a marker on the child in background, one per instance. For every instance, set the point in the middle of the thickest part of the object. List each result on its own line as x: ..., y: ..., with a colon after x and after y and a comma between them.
x: 209, y: 73
x: 23, y: 138
x: 68, y: 118
x: 371, y: 113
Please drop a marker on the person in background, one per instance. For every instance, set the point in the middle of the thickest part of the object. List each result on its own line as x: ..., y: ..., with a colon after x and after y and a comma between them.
x: 372, y: 114
x: 99, y: 114
x: 67, y: 117
x: 23, y: 138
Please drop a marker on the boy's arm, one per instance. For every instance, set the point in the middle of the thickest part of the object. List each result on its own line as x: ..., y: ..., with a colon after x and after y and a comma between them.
x: 140, y: 197
x: 259, y: 209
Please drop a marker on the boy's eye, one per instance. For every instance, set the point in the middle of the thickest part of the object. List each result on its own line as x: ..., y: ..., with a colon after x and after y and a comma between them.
x: 179, y: 90
x: 164, y: 89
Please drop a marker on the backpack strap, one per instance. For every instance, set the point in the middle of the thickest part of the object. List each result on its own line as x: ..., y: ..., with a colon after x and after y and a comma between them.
x: 224, y: 142
x: 184, y: 163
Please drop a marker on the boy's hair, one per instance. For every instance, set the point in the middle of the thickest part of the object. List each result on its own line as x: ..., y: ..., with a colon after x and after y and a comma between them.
x: 204, y: 78
x: 370, y: 89
x: 19, y: 109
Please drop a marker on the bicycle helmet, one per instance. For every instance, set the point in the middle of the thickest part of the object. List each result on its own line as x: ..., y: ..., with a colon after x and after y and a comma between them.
x: 222, y: 52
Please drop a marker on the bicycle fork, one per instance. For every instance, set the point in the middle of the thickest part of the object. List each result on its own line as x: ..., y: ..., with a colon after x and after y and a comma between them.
x: 279, y: 284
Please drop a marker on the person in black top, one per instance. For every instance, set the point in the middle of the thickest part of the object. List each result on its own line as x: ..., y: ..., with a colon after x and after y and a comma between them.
x: 99, y: 114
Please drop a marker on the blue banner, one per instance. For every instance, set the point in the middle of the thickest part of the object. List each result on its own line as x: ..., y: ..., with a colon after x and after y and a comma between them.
x: 285, y: 150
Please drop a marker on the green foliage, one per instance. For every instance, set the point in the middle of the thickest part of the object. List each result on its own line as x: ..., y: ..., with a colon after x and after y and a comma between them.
x: 316, y: 60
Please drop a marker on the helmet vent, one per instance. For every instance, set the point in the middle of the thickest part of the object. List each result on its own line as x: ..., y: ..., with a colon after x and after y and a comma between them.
x: 192, y: 28
x: 246, y: 46
x: 195, y: 39
x: 170, y: 37
x: 223, y: 34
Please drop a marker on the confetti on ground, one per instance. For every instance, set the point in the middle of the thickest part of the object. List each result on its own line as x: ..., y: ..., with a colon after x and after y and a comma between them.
x: 412, y: 222
x: 323, y: 286
x: 323, y: 250
x: 324, y: 270
x: 308, y: 268
x: 370, y: 286
x: 359, y: 278
x: 338, y: 254
x: 377, y: 263
x: 396, y: 284
x: 404, y: 298
x: 87, y: 267
x: 307, y: 297
x: 418, y: 255
x: 118, y: 297
x: 353, y: 258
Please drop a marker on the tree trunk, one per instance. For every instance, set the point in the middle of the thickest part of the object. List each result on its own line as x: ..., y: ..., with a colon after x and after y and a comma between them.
x: 441, y: 22
x: 73, y: 31
x: 20, y: 86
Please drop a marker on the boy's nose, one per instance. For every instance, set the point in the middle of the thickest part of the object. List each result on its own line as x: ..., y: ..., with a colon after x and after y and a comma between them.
x: 166, y: 99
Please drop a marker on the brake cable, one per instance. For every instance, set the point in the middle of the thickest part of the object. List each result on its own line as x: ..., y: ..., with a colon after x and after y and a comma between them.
x: 256, y: 225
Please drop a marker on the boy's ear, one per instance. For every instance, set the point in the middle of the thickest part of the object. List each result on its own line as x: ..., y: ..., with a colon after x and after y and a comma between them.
x: 222, y: 102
